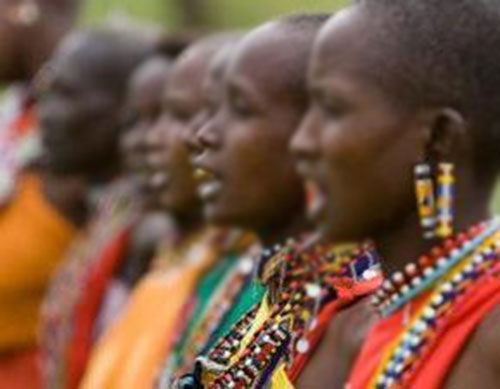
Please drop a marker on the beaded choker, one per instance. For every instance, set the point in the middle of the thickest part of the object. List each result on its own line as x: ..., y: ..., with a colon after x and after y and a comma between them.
x: 482, y: 253
x: 303, y: 280
x: 418, y: 277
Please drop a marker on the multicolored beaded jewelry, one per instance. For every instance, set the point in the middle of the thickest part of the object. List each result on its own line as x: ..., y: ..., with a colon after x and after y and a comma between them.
x: 435, y: 201
x: 483, y: 254
x: 215, y: 311
x: 402, y: 287
x: 304, y: 280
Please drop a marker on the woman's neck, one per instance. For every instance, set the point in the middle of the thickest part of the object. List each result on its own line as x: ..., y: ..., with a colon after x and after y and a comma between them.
x: 187, y: 226
x: 404, y: 243
x: 291, y: 228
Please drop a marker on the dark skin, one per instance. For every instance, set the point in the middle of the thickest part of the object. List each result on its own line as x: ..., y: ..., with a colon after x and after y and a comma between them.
x: 244, y: 144
x: 360, y: 147
x: 146, y: 88
x: 171, y: 178
x: 26, y: 42
x: 81, y: 114
x: 144, y: 104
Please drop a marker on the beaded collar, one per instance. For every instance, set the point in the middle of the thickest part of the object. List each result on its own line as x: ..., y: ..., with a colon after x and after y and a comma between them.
x: 468, y: 261
x: 418, y: 277
x: 303, y: 278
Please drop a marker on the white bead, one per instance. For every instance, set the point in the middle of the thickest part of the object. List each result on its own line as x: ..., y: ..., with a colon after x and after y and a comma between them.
x: 447, y: 288
x: 411, y: 269
x: 437, y: 300
x: 370, y: 274
x: 313, y: 290
x: 246, y: 266
x: 420, y: 326
x: 429, y: 313
x: 458, y: 278
x: 399, y: 278
x: 415, y: 341
x: 303, y: 346
x: 478, y: 259
x: 429, y: 271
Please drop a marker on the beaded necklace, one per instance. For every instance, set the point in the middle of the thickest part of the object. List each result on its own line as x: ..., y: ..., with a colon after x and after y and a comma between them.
x: 304, y: 281
x: 214, y: 312
x: 402, y: 287
x: 429, y: 321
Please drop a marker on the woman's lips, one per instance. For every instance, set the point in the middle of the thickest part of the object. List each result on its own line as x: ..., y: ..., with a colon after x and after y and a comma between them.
x: 158, y: 180
x: 209, y: 185
x: 315, y: 199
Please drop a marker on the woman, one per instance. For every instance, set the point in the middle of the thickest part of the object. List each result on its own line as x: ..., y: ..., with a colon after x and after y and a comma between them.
x: 249, y: 180
x: 405, y: 95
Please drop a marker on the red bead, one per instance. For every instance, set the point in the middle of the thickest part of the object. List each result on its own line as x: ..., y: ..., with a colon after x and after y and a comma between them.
x: 437, y: 252
x: 449, y: 244
x: 424, y: 261
x: 462, y: 238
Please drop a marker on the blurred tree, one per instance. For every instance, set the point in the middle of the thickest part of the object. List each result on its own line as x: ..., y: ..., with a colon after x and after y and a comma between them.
x: 193, y: 12
x: 204, y: 13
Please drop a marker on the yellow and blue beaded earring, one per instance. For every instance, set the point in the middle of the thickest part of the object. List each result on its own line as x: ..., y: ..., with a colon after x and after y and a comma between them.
x: 426, y: 203
x: 445, y: 200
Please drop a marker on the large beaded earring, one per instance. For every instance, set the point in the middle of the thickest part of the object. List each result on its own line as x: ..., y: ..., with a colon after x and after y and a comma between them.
x: 445, y: 199
x: 426, y: 203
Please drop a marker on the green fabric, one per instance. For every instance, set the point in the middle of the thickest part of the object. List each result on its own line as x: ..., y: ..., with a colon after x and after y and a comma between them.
x: 253, y: 292
x: 204, y: 291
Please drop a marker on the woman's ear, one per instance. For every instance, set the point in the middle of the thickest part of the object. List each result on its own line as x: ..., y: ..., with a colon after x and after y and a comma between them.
x: 447, y: 131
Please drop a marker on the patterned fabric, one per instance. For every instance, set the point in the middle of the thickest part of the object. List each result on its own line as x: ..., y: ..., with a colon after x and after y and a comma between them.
x: 91, y: 261
x: 130, y: 354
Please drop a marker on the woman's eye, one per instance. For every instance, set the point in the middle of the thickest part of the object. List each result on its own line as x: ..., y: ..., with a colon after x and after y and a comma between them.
x: 332, y: 109
x: 211, y: 107
x: 241, y: 107
x: 181, y: 116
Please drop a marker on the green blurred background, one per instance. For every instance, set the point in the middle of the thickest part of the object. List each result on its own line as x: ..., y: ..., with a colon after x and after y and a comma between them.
x: 208, y: 13
x: 211, y: 14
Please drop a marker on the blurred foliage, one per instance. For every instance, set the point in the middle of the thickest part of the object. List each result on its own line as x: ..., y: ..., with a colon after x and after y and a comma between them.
x: 217, y: 13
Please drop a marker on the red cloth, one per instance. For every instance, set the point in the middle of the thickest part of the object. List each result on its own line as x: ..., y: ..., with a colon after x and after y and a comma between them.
x: 89, y: 306
x: 348, y: 293
x: 21, y: 370
x: 432, y: 371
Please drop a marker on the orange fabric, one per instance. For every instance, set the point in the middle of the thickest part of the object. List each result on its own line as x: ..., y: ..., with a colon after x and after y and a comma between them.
x: 33, y: 239
x: 87, y: 311
x: 20, y: 371
x: 436, y: 363
x: 131, y: 352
